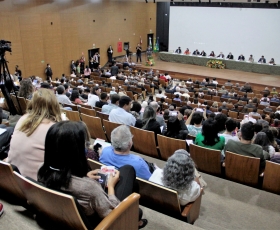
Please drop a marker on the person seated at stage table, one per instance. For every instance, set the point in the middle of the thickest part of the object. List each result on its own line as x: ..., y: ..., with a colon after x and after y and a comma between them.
x: 251, y: 59
x: 230, y: 56
x: 272, y: 62
x: 178, y: 51
x: 196, y: 52
x: 203, y: 53
x: 241, y: 58
x: 187, y: 52
x: 212, y: 54
x: 179, y: 174
x: 221, y: 55
x: 262, y: 60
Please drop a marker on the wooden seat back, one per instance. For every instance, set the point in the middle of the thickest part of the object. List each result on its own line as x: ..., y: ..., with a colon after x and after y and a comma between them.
x: 103, y: 116
x: 74, y: 107
x: 86, y: 106
x: 87, y: 111
x: 109, y: 127
x: 23, y: 104
x: 233, y: 114
x: 16, y: 104
x: 94, y: 126
x: 72, y: 115
x: 8, y: 182
x: 271, y: 180
x: 242, y: 169
x: 206, y: 160
x: 144, y: 142
x: 168, y: 146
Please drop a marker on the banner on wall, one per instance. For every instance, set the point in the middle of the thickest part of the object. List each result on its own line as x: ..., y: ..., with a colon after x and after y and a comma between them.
x: 119, y: 47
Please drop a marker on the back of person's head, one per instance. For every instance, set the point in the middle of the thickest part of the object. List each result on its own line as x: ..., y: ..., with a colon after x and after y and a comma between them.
x: 221, y: 121
x: 60, y: 89
x: 220, y: 109
x: 230, y: 125
x: 154, y: 105
x: 74, y: 95
x: 121, y: 138
x: 45, y: 85
x: 136, y: 106
x: 177, y: 96
x: 43, y: 105
x: 195, y: 100
x: 262, y: 140
x: 124, y: 100
x: 103, y: 96
x: 26, y: 88
x: 258, y: 127
x: 64, y: 154
x: 210, y: 132
x: 247, y: 131
x: 173, y: 127
x: 148, y: 115
x: 196, y: 118
x: 114, y: 98
x: 179, y: 170
x: 94, y: 90
x: 160, y: 91
x: 269, y: 134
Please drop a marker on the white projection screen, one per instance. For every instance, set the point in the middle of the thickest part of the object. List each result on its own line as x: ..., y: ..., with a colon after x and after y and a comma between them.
x: 238, y: 30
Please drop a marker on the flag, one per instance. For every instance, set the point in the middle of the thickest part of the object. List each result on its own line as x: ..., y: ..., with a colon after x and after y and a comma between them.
x: 157, y: 44
x: 140, y: 40
x: 155, y: 48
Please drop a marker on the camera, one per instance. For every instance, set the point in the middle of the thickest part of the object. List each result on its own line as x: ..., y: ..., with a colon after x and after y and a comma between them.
x: 5, y: 46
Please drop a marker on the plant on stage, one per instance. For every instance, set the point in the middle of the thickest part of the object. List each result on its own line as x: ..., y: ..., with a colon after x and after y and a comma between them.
x: 215, y: 64
x: 150, y: 62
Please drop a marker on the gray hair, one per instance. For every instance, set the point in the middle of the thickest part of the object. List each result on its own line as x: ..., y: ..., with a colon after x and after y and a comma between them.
x: 148, y: 115
x: 154, y: 105
x: 179, y: 171
x: 121, y: 138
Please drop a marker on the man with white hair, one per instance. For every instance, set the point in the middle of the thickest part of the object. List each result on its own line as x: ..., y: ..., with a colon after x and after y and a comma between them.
x: 119, y: 154
x: 177, y: 91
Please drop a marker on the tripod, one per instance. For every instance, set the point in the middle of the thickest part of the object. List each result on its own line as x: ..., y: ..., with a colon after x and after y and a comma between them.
x: 4, y: 83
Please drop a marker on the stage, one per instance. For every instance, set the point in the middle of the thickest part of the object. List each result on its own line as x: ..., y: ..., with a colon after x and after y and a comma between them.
x: 185, y: 71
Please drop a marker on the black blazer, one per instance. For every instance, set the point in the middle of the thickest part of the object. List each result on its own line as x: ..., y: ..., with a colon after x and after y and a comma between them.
x: 230, y: 56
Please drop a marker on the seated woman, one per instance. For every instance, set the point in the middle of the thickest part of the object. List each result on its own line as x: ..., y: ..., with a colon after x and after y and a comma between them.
x: 209, y: 137
x: 75, y: 97
x: 194, y: 122
x: 149, y: 121
x: 212, y: 54
x: 176, y: 127
x: 262, y: 140
x: 28, y: 141
x: 179, y: 174
x: 26, y: 89
x: 65, y: 168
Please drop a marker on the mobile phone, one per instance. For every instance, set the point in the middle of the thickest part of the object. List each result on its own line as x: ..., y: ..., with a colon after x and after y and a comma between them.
x: 199, y: 110
x: 103, y: 179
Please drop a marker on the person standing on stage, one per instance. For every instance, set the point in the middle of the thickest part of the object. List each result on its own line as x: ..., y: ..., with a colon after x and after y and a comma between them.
x: 110, y: 54
x: 96, y: 60
x: 48, y: 72
x: 138, y: 52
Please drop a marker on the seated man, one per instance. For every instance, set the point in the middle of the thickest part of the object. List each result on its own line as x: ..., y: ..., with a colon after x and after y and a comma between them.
x: 230, y: 128
x: 113, y: 105
x: 119, y: 154
x: 121, y: 115
x: 178, y: 51
x: 61, y: 97
x: 103, y: 100
x: 245, y: 146
x: 262, y: 60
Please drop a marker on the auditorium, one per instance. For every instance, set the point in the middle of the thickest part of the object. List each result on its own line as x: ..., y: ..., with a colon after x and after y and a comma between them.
x: 130, y: 114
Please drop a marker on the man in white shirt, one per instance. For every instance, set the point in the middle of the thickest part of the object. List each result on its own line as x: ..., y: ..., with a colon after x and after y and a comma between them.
x: 121, y: 115
x: 93, y: 97
x: 160, y: 94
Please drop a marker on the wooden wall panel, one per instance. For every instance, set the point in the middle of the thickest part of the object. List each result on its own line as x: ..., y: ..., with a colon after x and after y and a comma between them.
x: 34, y: 39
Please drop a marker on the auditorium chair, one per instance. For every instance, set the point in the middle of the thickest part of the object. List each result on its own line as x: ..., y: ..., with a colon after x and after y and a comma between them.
x: 97, y: 109
x: 73, y: 107
x: 20, y: 108
x: 103, y: 116
x: 206, y: 160
x: 168, y: 146
x: 72, y: 115
x: 9, y: 185
x: 271, y: 180
x: 63, y: 210
x: 144, y: 142
x: 242, y: 169
x: 94, y: 126
x: 233, y: 114
x: 109, y: 127
x: 162, y: 199
x: 87, y: 111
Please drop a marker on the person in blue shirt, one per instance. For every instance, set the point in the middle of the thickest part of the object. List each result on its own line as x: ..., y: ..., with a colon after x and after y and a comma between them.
x: 119, y: 154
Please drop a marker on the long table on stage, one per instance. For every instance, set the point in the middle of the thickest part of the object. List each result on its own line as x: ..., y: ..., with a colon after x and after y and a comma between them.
x: 230, y: 64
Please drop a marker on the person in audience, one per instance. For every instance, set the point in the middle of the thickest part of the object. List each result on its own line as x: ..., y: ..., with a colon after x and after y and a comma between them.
x: 224, y: 106
x: 251, y: 59
x: 159, y: 118
x: 121, y: 115
x: 221, y: 121
x: 187, y: 51
x: 215, y: 104
x: 230, y: 56
x: 149, y: 121
x: 179, y: 174
x: 61, y: 97
x: 262, y: 140
x: 264, y: 101
x: 93, y: 97
x: 250, y: 105
x: 262, y: 60
x: 212, y: 54
x: 27, y: 143
x: 266, y: 91
x: 107, y: 108
x: 177, y: 98
x: 65, y: 168
x: 26, y: 89
x: 113, y: 91
x: 244, y: 98
x: 245, y: 146
x: 223, y: 90
x: 194, y: 122
x: 196, y: 52
x: 241, y: 57
x: 103, y: 100
x: 247, y: 88
x: 176, y: 127
x: 255, y: 113
x: 221, y: 55
x: 119, y: 153
x: 275, y: 99
x: 178, y: 51
x: 209, y: 138
x: 75, y: 97
x: 229, y: 133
